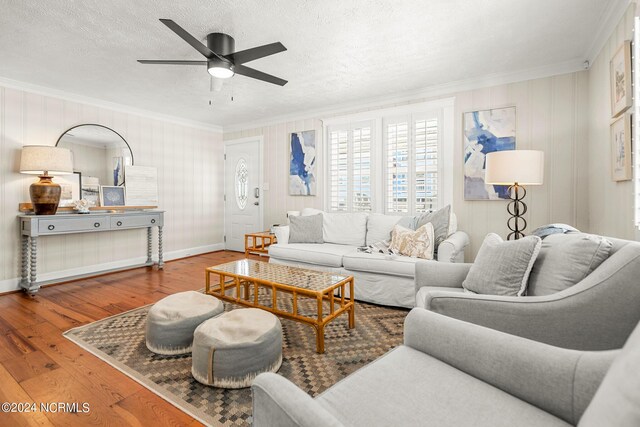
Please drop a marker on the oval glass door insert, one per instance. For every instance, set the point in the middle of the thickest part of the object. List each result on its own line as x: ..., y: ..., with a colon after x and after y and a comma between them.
x: 242, y: 184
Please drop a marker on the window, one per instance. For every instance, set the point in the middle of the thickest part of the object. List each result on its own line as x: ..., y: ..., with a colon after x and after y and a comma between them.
x: 412, y: 164
x: 350, y: 168
x: 242, y: 184
x: 396, y: 160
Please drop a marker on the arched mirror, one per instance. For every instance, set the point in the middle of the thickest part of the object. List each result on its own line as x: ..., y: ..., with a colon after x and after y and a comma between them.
x: 99, y: 155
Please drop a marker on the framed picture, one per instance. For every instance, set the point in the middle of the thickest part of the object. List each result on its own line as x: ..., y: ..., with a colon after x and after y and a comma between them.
x: 621, y: 148
x: 620, y: 75
x: 486, y: 131
x: 90, y: 190
x: 111, y: 195
x: 302, y: 164
x: 141, y: 183
x: 70, y: 185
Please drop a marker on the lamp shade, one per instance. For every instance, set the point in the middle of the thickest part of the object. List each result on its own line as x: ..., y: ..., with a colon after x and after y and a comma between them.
x: 526, y: 167
x: 37, y: 159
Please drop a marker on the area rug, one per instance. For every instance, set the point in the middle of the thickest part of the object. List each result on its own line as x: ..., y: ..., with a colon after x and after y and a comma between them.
x: 120, y: 341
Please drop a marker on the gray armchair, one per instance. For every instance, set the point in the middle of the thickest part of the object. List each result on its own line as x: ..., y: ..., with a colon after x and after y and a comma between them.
x: 453, y: 373
x: 597, y: 313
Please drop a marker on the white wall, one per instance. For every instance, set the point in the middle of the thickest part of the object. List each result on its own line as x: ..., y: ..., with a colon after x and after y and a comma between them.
x: 610, y: 203
x: 551, y: 114
x: 189, y: 162
x: 277, y: 200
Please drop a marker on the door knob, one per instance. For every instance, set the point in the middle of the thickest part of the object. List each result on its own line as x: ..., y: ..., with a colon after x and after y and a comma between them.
x: 256, y: 203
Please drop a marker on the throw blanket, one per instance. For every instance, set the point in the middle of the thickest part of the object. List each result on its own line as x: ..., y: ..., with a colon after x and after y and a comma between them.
x: 547, y: 230
x: 381, y: 247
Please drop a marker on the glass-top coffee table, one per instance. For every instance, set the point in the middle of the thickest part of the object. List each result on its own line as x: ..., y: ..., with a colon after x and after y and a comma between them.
x: 240, y: 283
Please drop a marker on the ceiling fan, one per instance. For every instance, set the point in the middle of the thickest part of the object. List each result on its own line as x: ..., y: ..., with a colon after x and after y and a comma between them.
x: 221, y: 60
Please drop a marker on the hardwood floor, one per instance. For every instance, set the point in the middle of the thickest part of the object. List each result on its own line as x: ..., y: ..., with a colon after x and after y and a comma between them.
x: 38, y: 365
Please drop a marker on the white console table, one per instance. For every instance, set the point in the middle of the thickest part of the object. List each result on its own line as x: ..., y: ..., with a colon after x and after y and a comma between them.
x: 34, y: 226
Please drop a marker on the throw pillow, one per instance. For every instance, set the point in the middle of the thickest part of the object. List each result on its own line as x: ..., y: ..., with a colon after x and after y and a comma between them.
x: 305, y: 229
x: 417, y: 244
x: 440, y: 220
x: 566, y: 259
x: 503, y: 268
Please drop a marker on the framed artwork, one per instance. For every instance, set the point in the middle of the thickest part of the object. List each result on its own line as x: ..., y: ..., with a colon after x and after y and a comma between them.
x: 621, y: 149
x: 70, y: 186
x: 141, y: 185
x: 302, y: 164
x: 111, y: 196
x: 620, y: 75
x: 486, y: 131
x: 90, y: 190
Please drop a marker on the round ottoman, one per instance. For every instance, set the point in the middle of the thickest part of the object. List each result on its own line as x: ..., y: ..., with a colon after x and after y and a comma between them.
x: 172, y: 320
x: 230, y: 350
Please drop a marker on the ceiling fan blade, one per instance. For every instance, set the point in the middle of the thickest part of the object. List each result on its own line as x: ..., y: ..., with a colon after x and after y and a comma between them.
x: 255, y: 74
x: 177, y: 62
x: 255, y: 53
x: 184, y: 35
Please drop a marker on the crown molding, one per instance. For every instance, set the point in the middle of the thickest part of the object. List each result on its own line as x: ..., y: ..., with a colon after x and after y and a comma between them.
x: 612, y: 15
x: 424, y: 94
x: 121, y: 108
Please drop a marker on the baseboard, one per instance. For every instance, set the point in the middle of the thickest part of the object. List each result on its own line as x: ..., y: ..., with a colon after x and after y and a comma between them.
x: 10, y: 285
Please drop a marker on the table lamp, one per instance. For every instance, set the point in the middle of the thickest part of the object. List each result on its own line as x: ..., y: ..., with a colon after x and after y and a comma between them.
x: 43, y: 160
x: 515, y: 168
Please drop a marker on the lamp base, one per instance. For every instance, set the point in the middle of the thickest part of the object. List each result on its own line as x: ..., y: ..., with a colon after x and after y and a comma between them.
x: 516, y: 209
x: 45, y: 196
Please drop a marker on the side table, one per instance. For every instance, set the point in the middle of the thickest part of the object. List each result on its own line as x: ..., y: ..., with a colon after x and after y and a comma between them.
x: 258, y: 243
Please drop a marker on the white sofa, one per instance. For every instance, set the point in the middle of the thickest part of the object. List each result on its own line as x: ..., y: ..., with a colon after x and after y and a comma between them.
x: 379, y: 278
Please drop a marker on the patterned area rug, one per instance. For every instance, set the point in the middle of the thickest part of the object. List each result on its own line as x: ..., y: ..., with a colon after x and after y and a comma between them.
x: 120, y: 341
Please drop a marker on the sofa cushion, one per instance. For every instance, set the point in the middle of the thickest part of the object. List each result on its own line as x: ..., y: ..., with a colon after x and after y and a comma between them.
x: 503, y: 268
x: 395, y: 265
x: 425, y: 291
x: 418, y: 243
x: 327, y: 254
x: 617, y: 401
x: 566, y: 259
x: 431, y: 390
x: 345, y: 228
x: 379, y: 226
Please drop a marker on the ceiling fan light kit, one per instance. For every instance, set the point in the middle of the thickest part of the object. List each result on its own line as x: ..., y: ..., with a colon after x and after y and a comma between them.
x: 221, y: 59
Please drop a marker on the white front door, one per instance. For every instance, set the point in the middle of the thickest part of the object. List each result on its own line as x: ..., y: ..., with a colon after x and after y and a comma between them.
x: 243, y: 190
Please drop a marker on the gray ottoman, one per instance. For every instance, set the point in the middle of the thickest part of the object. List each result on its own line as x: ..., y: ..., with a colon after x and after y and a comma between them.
x: 230, y: 350
x: 172, y: 320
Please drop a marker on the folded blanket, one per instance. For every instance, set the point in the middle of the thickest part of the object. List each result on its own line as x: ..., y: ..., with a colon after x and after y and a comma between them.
x: 381, y: 247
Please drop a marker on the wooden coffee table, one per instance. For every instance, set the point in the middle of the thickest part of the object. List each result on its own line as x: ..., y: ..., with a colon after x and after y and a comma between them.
x: 240, y: 282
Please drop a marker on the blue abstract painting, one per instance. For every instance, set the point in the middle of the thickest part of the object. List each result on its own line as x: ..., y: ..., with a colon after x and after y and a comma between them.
x: 302, y: 164
x: 484, y: 132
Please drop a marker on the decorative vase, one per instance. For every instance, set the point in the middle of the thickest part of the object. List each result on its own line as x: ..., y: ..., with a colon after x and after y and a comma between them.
x: 45, y: 196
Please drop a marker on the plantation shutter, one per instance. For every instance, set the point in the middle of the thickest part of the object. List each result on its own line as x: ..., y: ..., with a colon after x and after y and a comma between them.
x: 350, y: 160
x: 411, y: 149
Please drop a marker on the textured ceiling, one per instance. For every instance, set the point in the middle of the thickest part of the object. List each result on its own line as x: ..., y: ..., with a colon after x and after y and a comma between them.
x: 338, y: 50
